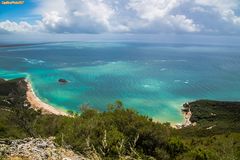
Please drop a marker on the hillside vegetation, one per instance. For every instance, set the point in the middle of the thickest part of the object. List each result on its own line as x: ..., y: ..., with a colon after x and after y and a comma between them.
x: 122, y: 133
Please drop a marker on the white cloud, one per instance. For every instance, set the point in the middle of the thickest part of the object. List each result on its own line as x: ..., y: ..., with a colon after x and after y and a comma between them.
x: 183, y: 23
x: 225, y: 8
x: 82, y: 16
x: 219, y: 4
x: 10, y: 26
x: 158, y: 16
x: 199, y: 9
x: 152, y: 9
x: 51, y: 21
x: 49, y: 6
x: 131, y: 16
x: 95, y: 12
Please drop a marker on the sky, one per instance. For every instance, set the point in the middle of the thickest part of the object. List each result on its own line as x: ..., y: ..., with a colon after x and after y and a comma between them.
x: 122, y: 17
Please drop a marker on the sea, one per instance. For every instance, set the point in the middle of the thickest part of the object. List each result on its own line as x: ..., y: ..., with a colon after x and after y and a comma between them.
x: 155, y: 79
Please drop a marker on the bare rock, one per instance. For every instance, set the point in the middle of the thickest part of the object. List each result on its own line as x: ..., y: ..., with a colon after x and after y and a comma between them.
x: 37, y: 149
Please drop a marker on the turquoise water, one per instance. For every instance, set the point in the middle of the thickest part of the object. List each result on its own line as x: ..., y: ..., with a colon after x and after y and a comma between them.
x: 154, y: 79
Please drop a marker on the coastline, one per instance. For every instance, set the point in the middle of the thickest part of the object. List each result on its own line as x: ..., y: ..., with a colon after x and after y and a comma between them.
x: 36, y: 103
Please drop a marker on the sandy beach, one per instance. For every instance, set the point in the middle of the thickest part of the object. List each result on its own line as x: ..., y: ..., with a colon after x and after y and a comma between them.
x: 36, y: 103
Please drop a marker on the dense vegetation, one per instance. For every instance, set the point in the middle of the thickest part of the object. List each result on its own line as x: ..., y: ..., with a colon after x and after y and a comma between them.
x: 121, y: 133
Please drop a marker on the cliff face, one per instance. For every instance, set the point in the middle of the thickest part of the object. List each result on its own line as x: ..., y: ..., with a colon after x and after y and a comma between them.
x: 36, y: 149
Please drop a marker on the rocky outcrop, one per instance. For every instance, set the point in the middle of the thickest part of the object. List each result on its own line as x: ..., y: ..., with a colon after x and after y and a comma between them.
x: 186, y: 110
x: 62, y: 81
x: 36, y: 149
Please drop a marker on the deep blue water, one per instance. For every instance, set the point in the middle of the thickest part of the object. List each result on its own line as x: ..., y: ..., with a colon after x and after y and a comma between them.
x: 155, y: 79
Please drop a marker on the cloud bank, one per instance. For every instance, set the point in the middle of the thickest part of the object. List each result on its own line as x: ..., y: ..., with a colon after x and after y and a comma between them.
x: 132, y: 16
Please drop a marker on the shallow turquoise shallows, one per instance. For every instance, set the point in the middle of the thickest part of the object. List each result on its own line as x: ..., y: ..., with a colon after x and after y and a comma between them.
x: 154, y: 79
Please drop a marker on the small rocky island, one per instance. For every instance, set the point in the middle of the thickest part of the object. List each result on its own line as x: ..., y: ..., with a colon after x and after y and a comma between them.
x: 62, y: 81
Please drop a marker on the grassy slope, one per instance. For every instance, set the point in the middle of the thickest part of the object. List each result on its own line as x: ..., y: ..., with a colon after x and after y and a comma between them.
x: 10, y: 92
x: 222, y: 115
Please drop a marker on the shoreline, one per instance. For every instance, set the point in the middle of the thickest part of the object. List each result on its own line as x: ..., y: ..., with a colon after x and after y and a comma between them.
x: 37, y: 103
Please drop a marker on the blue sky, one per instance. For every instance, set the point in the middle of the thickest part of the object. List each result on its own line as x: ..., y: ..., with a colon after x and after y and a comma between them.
x: 17, y: 12
x: 156, y: 17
